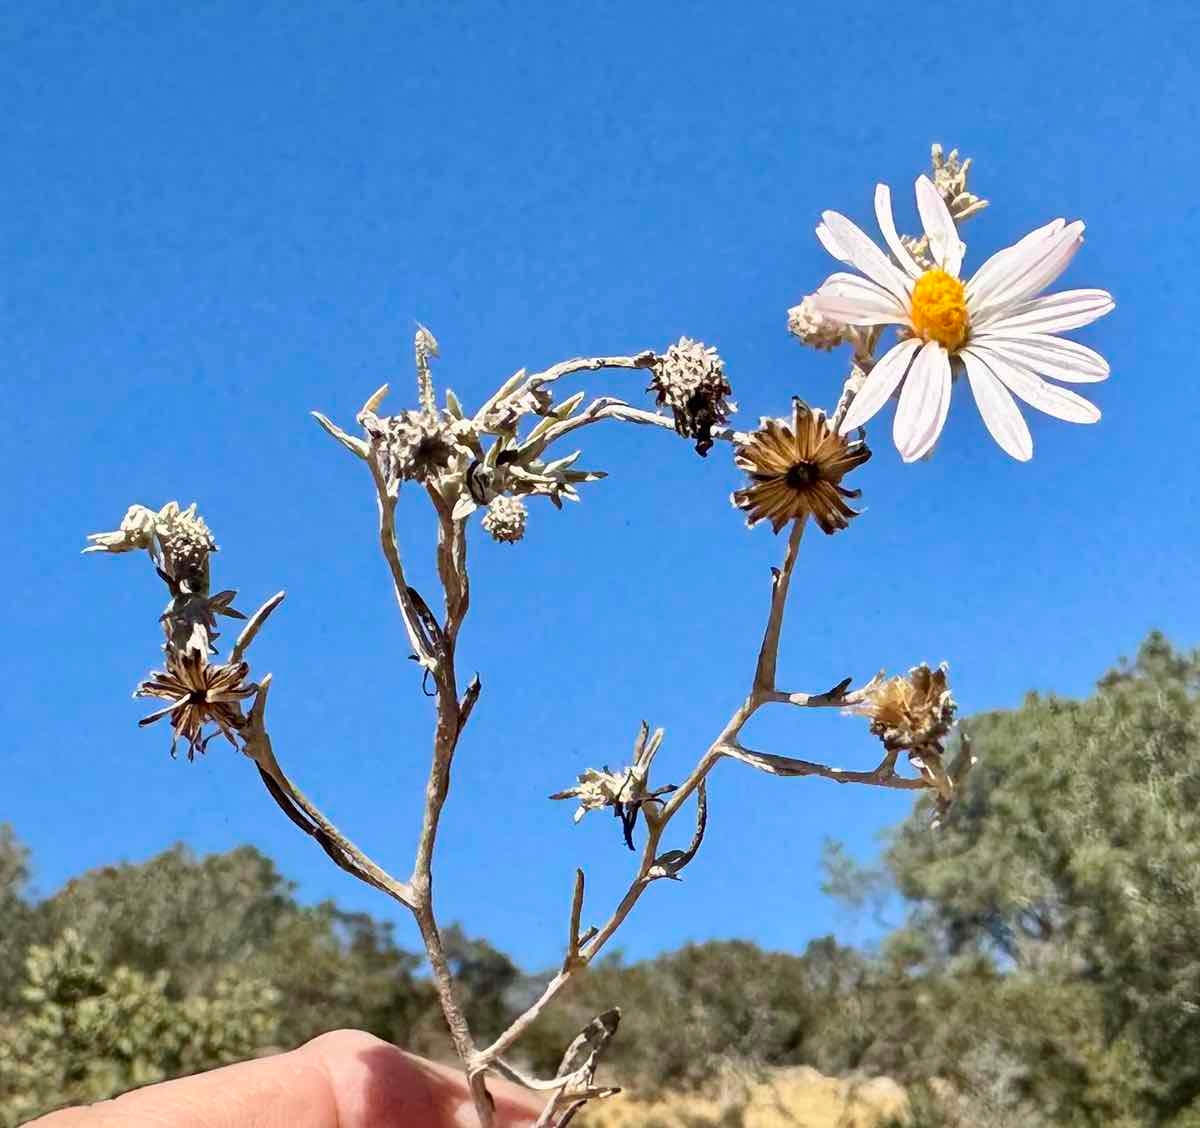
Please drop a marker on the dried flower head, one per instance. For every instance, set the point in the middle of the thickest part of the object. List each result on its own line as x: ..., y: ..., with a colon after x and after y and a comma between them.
x: 797, y: 471
x: 626, y: 791
x: 813, y: 328
x: 199, y: 694
x: 505, y: 519
x: 690, y: 379
x: 190, y: 621
x: 417, y: 446
x: 913, y: 712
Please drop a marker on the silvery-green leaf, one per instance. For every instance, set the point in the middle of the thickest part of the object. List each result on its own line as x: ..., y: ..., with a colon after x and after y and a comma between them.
x: 453, y: 405
x: 464, y: 507
x: 355, y: 446
x: 375, y: 399
x: 561, y: 463
x: 543, y: 425
x: 568, y: 405
x: 509, y: 385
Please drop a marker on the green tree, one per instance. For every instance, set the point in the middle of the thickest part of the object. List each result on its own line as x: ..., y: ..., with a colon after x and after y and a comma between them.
x: 195, y: 918
x: 16, y: 914
x: 87, y: 1033
x: 687, y: 1013
x: 1071, y: 867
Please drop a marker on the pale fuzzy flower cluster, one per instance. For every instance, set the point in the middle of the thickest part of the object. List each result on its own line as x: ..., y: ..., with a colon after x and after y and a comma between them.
x: 690, y: 379
x: 997, y: 326
x: 419, y: 446
x: 505, y: 519
x: 950, y: 179
x: 597, y: 788
x: 626, y: 790
x: 178, y: 540
x: 813, y: 328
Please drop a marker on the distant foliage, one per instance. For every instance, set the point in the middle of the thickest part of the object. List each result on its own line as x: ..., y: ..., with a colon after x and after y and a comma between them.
x: 1047, y: 974
x: 85, y: 1033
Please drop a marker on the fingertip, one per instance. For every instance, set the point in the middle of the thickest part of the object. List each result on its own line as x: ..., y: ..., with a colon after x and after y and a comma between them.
x: 377, y: 1085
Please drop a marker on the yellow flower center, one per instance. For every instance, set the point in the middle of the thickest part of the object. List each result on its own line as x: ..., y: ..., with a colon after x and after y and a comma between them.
x: 939, y: 309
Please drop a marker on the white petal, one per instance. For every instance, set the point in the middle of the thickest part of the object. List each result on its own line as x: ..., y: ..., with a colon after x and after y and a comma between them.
x: 1054, y: 313
x: 944, y: 243
x: 857, y: 249
x: 1027, y: 274
x: 924, y: 402
x: 880, y: 384
x: 1049, y: 398
x: 1000, y: 415
x: 854, y: 300
x: 997, y: 268
x: 1050, y: 356
x: 887, y: 224
x: 830, y: 243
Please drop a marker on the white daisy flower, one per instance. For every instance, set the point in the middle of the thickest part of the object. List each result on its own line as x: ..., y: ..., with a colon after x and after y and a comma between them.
x: 995, y: 326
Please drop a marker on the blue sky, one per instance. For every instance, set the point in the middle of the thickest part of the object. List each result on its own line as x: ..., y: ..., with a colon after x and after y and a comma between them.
x: 219, y: 216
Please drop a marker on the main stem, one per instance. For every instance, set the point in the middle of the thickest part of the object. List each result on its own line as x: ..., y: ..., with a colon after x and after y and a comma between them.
x: 452, y: 572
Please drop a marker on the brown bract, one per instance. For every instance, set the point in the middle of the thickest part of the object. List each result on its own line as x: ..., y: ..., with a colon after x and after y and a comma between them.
x: 796, y: 471
x: 199, y: 694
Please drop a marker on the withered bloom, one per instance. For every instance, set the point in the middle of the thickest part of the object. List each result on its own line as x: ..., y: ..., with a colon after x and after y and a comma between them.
x: 626, y: 791
x: 796, y: 471
x: 199, y: 694
x: 690, y: 379
x: 914, y: 712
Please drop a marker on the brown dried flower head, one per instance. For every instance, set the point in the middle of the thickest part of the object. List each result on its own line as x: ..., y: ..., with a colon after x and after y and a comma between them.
x: 505, y: 519
x: 913, y: 712
x: 199, y: 694
x: 690, y: 379
x: 796, y: 471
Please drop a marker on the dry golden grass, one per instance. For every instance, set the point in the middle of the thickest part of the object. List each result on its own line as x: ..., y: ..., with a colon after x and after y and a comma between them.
x: 787, y: 1098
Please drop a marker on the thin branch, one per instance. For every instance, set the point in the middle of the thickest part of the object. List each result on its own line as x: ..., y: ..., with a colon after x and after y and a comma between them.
x: 251, y: 629
x: 768, y: 655
x: 644, y: 359
x: 353, y: 860
x: 834, y: 698
x: 572, y: 955
x: 467, y: 704
x: 882, y: 776
x: 600, y: 409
